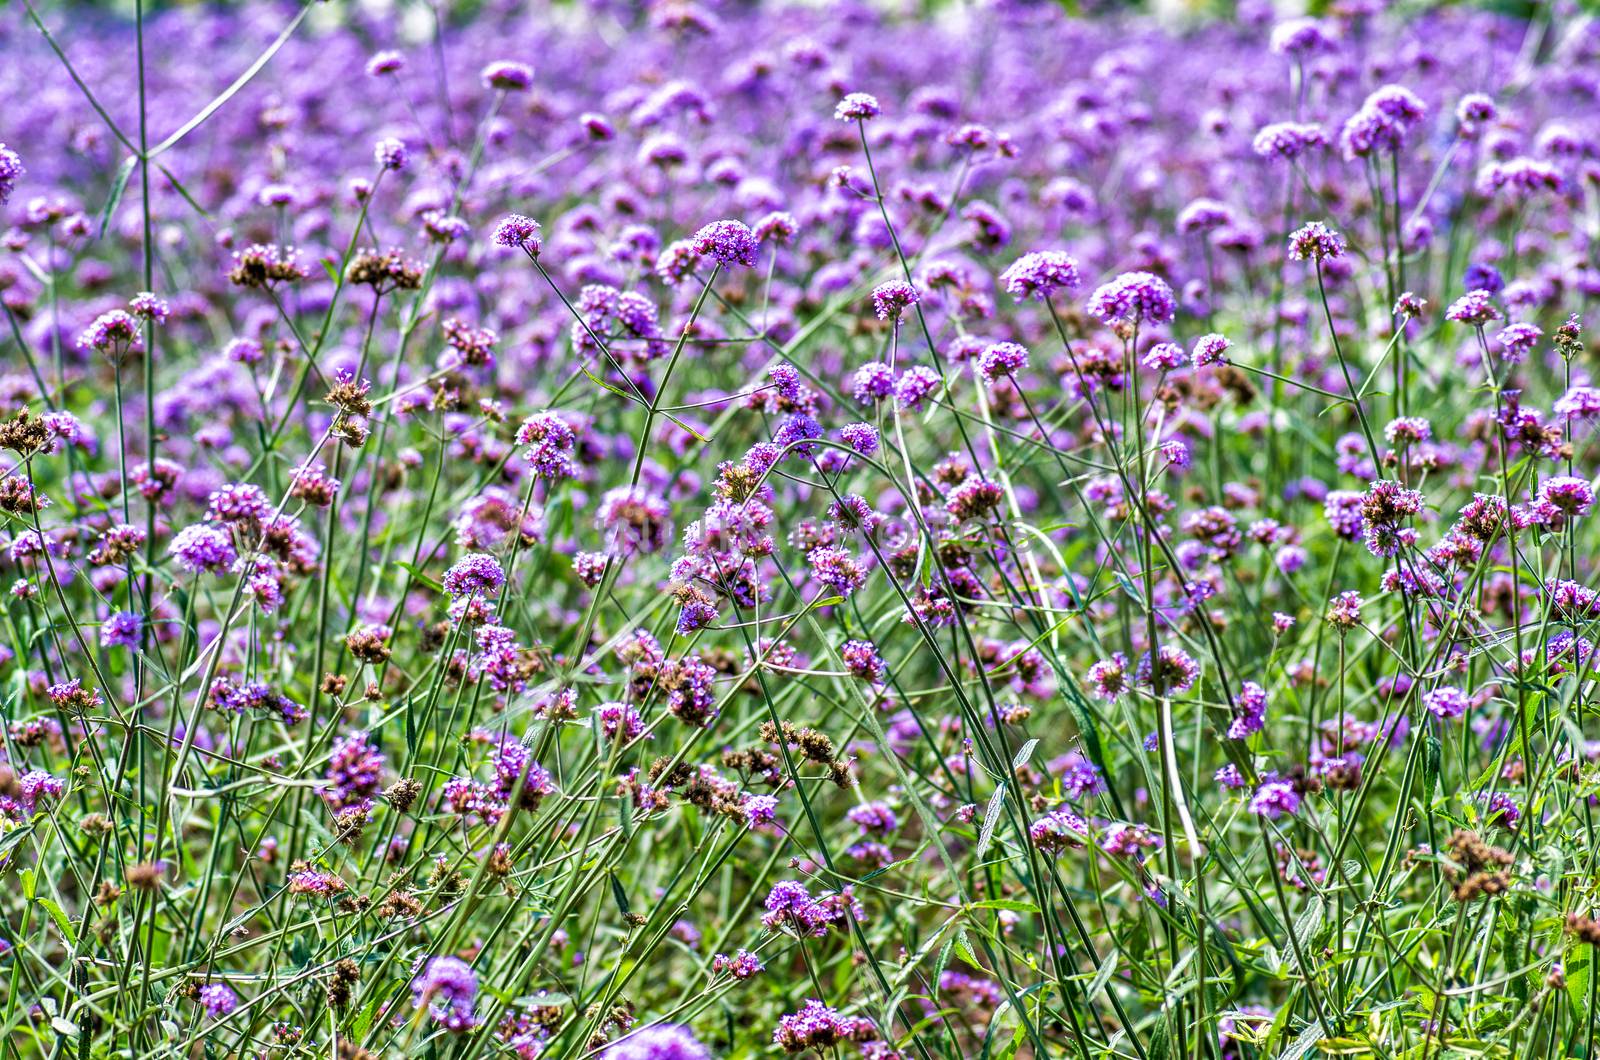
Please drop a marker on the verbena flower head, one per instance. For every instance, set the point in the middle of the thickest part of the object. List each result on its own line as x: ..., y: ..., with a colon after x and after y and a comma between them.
x: 448, y: 988
x: 1475, y: 308
x: 508, y: 76
x: 11, y: 171
x: 1288, y: 140
x: 662, y: 1041
x: 1383, y: 123
x: 218, y: 999
x: 1275, y: 799
x: 857, y: 106
x: 385, y: 62
x: 728, y: 243
x: 1315, y: 241
x: 477, y: 574
x: 1210, y: 349
x: 515, y: 230
x: 891, y: 299
x: 202, y: 548
x: 1134, y: 298
x: 1001, y: 360
x: 1040, y: 274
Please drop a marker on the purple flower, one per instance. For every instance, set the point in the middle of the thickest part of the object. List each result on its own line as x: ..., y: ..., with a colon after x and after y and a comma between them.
x: 121, y: 630
x: 1040, y: 274
x: 1299, y: 37
x: 837, y: 569
x: 890, y: 300
x: 10, y: 169
x: 447, y: 988
x: 1315, y: 242
x: 1288, y: 140
x: 1178, y: 671
x: 202, y: 548
x: 385, y: 62
x: 1203, y: 215
x: 862, y: 437
x: 862, y: 660
x: 726, y: 242
x: 1109, y: 678
x: 1474, y: 113
x: 1058, y: 830
x: 1210, y: 349
x: 634, y: 520
x: 665, y: 1041
x: 355, y: 771
x: 872, y: 382
x: 1134, y: 298
x: 818, y: 1027
x: 857, y: 106
x: 1252, y: 702
x: 759, y: 810
x: 515, y: 230
x: 1274, y: 799
x: 1516, y: 341
x: 1163, y: 357
x: 1519, y: 178
x: 476, y: 573
x: 1446, y: 702
x: 218, y: 999
x: 1000, y: 360
x: 915, y: 385
x: 508, y: 76
x: 1475, y: 308
x: 1382, y: 123
x: 390, y: 154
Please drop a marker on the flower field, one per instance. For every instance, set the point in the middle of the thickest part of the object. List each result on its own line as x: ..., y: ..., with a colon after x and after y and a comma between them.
x: 706, y: 530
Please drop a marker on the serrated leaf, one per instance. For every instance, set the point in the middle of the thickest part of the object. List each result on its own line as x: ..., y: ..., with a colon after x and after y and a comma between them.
x: 964, y: 949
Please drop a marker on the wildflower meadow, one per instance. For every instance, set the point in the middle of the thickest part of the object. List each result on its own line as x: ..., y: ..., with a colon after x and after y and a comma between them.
x: 708, y: 529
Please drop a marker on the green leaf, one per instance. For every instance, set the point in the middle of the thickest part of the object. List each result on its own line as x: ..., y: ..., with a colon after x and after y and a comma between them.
x: 418, y: 576
x: 119, y: 184
x: 1578, y: 967
x: 941, y: 962
x: 1308, y: 925
x: 991, y: 817
x: 1010, y: 904
x: 63, y: 922
x: 1303, y: 1044
x: 964, y: 949
x: 1108, y: 968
